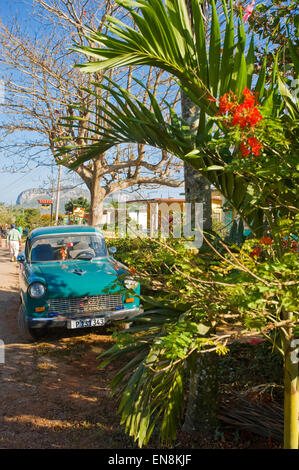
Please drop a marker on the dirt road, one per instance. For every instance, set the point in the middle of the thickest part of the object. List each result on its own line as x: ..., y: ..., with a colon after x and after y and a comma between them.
x: 52, y: 395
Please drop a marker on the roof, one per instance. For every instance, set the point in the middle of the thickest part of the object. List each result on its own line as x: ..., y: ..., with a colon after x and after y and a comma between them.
x: 144, y: 201
x: 170, y: 200
x: 42, y: 231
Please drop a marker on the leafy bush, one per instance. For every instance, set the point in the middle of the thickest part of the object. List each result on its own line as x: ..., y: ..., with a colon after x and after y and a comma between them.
x: 195, y: 302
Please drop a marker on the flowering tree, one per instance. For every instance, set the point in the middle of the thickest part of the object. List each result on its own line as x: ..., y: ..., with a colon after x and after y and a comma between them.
x: 203, y: 73
x: 245, y: 116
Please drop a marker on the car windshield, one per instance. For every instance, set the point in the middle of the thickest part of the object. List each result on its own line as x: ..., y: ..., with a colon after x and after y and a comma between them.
x: 67, y: 247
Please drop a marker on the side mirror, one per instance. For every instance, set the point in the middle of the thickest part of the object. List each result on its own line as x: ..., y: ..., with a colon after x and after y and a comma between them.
x: 21, y: 258
x: 112, y: 250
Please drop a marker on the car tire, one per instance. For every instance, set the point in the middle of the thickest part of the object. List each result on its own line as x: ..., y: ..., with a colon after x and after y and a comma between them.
x: 31, y: 334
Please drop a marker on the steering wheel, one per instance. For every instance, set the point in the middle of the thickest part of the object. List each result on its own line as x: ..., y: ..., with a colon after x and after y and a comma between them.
x: 84, y: 252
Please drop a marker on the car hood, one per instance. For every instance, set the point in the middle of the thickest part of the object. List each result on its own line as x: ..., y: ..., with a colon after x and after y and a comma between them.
x: 81, y: 278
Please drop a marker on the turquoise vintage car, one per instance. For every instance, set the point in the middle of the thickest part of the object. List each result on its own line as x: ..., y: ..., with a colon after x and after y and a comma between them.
x: 68, y: 278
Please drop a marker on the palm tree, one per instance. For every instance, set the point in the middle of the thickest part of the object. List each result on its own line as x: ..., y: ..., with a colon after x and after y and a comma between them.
x: 167, y: 38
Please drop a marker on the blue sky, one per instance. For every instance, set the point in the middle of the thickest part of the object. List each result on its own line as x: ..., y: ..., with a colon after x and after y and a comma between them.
x: 11, y: 184
x: 21, y: 8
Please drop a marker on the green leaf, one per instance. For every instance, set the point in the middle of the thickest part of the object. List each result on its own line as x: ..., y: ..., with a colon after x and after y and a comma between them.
x: 200, y: 38
x: 289, y: 98
x: 193, y: 154
x: 214, y: 167
x: 242, y: 76
x: 260, y: 85
x: 294, y: 56
x: 227, y: 60
x: 214, y: 52
x: 202, y: 329
x: 250, y: 62
x: 239, y: 75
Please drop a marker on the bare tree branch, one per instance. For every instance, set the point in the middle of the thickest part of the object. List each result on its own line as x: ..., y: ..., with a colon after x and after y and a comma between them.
x: 42, y: 84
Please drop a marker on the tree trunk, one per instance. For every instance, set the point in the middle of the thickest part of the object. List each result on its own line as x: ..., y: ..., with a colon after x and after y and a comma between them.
x: 96, y: 210
x: 96, y: 213
x: 201, y: 412
x: 97, y: 197
x: 202, y: 406
x: 197, y: 188
x: 291, y: 396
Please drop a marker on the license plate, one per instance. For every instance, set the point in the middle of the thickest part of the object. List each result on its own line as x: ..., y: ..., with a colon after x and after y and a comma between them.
x: 86, y: 323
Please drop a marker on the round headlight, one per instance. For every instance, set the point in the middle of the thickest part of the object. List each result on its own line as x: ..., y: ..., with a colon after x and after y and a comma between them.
x: 131, y: 283
x: 36, y: 290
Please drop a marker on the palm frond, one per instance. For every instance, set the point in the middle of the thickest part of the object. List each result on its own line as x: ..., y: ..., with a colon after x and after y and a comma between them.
x: 164, y: 38
x: 127, y: 120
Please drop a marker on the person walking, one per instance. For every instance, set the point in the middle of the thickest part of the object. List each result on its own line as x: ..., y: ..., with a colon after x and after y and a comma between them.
x: 14, y: 241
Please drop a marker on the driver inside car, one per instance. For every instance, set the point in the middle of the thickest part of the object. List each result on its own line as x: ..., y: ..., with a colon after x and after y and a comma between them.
x: 81, y: 247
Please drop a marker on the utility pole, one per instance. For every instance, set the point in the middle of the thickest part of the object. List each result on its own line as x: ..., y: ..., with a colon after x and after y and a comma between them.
x: 58, y: 195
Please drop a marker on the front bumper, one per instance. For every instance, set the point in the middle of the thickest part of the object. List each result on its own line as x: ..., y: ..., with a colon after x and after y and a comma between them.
x: 61, y: 321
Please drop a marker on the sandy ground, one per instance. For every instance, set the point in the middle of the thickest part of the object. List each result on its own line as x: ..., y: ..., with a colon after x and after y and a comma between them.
x: 52, y: 395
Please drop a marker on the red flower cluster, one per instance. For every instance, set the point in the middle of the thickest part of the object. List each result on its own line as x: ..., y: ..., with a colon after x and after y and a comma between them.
x: 257, y: 251
x: 245, y: 115
x: 292, y: 245
x: 266, y: 240
x: 227, y: 102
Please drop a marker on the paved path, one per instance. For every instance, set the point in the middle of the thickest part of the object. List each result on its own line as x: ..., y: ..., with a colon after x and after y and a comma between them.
x: 18, y: 353
x: 9, y: 299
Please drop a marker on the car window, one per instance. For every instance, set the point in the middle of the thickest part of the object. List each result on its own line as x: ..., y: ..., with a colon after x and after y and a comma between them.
x: 67, y: 247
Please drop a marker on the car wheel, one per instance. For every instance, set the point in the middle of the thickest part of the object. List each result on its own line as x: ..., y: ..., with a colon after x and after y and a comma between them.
x: 31, y: 334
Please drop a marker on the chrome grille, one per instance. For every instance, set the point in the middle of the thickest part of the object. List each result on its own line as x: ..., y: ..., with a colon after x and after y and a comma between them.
x: 94, y: 303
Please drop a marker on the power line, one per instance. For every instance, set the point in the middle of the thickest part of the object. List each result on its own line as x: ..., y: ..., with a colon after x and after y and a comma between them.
x: 19, y: 179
